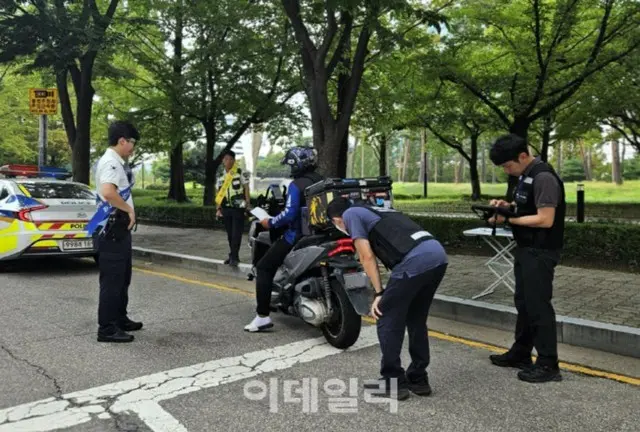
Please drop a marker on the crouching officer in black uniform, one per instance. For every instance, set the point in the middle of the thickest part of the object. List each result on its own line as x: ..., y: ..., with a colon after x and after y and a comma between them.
x: 418, y: 263
x: 538, y: 231
x: 111, y: 228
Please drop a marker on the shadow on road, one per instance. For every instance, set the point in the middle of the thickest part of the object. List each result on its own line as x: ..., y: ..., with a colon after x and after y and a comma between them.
x: 49, y: 265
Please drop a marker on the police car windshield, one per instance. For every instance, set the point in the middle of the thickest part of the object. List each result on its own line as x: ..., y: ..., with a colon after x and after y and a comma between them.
x: 44, y: 190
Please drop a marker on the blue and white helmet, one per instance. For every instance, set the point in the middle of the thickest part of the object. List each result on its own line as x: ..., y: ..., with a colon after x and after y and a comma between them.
x: 300, y: 159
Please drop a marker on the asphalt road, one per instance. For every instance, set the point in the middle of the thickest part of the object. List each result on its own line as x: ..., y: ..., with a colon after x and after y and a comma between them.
x: 192, y: 368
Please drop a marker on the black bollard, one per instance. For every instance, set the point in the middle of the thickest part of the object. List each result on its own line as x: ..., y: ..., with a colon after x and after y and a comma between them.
x: 580, y: 206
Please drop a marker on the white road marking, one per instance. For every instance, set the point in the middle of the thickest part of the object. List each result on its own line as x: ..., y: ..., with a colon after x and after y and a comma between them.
x: 156, y: 418
x: 142, y: 395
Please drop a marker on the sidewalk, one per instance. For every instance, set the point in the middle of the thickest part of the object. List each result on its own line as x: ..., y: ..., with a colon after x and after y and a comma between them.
x: 597, y: 295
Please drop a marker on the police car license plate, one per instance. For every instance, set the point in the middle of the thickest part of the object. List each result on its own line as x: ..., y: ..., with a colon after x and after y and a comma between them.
x: 67, y: 245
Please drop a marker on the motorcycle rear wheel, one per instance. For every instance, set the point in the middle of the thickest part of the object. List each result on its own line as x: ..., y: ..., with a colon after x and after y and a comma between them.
x: 343, y: 328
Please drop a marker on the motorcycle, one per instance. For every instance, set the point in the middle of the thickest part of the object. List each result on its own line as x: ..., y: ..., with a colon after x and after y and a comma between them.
x: 320, y: 281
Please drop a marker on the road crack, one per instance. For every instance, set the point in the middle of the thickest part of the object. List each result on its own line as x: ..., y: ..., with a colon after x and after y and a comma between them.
x: 39, y: 369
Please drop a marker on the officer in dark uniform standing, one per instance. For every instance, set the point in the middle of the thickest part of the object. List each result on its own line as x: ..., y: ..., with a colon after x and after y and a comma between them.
x: 418, y: 263
x: 233, y: 200
x: 539, y: 202
x: 111, y: 228
x: 302, y: 161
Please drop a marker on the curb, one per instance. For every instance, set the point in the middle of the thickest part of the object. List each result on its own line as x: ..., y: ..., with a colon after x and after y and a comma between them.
x: 193, y: 262
x: 612, y: 338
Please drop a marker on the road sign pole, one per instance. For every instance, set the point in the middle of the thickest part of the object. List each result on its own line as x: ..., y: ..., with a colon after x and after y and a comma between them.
x: 42, y: 142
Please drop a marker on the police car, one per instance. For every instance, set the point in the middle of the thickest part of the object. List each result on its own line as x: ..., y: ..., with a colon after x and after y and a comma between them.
x: 43, y: 214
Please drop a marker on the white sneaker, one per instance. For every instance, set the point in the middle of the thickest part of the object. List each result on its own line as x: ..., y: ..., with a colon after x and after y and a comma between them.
x: 259, y: 324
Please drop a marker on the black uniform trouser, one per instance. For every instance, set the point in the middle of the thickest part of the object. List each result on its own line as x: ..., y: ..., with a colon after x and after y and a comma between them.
x: 234, y: 225
x: 266, y: 270
x: 115, y: 276
x: 536, y: 323
x: 405, y: 304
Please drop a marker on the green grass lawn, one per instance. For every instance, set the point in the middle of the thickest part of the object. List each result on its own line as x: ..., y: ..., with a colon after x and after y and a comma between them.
x: 601, y: 192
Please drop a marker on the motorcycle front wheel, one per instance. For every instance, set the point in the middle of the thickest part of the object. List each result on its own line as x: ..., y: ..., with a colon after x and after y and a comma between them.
x: 343, y: 327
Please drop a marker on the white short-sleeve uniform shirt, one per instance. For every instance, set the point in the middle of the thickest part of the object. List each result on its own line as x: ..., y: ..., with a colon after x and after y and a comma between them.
x: 111, y: 169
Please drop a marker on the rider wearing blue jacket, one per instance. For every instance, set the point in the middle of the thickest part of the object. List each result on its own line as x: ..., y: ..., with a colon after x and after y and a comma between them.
x: 302, y: 161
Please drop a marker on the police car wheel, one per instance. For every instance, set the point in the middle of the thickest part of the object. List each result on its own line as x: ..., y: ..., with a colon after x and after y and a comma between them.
x: 343, y: 328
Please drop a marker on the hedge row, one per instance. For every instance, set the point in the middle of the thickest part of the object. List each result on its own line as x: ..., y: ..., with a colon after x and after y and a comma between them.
x: 599, y: 245
x: 407, y: 203
x: 592, y: 210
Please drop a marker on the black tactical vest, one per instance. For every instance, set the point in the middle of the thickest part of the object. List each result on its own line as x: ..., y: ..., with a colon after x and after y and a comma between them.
x: 540, y: 238
x: 304, y: 181
x: 394, y: 235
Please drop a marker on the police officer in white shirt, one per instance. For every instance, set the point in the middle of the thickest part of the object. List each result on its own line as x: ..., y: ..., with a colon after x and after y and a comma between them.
x: 116, y: 218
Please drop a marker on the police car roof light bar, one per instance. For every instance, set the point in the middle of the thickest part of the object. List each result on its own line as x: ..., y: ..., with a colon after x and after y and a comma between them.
x: 24, y: 170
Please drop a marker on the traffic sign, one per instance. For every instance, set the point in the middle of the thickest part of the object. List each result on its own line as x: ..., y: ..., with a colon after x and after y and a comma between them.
x: 43, y: 101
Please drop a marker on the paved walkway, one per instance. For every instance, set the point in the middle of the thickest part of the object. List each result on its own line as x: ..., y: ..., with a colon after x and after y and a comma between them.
x: 606, y: 296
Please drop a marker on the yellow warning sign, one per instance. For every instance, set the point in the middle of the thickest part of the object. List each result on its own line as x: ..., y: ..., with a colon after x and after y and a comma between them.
x: 43, y: 101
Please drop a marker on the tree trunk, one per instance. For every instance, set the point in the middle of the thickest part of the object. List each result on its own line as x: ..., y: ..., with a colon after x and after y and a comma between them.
x: 383, y: 155
x: 559, y: 158
x: 210, y: 166
x: 343, y: 157
x: 473, y: 170
x: 585, y: 153
x: 343, y: 153
x: 352, y: 157
x: 405, y: 163
x: 82, y: 144
x: 459, y: 170
x: 330, y: 136
x: 327, y: 151
x: 616, y: 175
x: 65, y: 107
x: 256, y: 143
x: 177, y: 190
x: 547, y: 128
x: 436, y: 168
x: 483, y: 175
x: 362, y: 158
x: 424, y: 161
x: 624, y: 153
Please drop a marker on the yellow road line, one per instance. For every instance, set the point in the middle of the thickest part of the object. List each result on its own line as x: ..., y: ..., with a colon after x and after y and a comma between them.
x: 196, y: 282
x: 572, y: 367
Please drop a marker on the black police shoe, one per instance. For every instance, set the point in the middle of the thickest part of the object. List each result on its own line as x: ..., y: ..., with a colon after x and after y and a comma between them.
x: 420, y: 387
x: 118, y: 336
x: 129, y: 325
x: 385, y: 390
x: 540, y: 374
x: 509, y: 359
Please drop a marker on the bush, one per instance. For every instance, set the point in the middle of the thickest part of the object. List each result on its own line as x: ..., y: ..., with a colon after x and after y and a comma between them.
x: 156, y: 187
x: 607, y: 246
x: 592, y: 210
